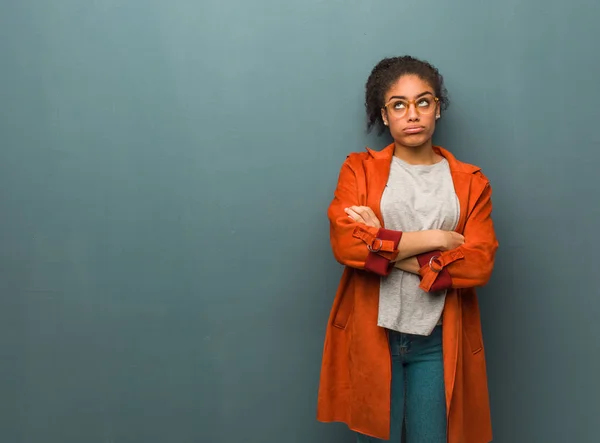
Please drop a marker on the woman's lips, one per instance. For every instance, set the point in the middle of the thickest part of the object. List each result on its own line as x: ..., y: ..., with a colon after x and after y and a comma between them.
x: 414, y: 129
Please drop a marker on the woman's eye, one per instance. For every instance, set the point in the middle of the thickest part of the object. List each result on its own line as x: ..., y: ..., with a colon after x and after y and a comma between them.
x: 424, y: 103
x: 399, y: 105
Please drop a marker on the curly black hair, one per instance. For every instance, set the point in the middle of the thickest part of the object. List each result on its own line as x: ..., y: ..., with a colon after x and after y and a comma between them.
x: 386, y: 72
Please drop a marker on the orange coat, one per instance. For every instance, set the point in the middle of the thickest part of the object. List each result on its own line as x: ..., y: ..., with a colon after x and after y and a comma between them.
x: 355, y: 382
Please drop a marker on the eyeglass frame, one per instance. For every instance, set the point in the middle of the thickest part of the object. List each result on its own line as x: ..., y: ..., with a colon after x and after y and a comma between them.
x: 411, y: 102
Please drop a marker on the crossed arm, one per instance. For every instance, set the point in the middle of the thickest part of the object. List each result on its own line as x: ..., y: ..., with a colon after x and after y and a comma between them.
x: 412, y: 244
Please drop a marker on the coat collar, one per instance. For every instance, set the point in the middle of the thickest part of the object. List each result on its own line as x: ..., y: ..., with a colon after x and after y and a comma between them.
x: 455, y: 165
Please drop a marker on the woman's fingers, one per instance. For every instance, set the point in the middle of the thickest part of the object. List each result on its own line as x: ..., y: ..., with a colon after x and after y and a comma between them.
x: 354, y: 215
x: 363, y: 214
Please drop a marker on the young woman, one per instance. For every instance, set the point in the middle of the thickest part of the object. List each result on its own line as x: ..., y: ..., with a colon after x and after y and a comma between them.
x: 413, y: 227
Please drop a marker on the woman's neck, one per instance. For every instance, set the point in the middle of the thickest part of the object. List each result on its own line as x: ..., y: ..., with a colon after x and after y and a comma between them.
x: 417, y: 155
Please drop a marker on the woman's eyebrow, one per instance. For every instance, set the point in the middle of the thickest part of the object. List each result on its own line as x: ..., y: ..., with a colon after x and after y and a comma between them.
x: 418, y: 96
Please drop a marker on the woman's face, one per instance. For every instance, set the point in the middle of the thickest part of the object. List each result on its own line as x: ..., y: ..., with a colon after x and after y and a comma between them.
x: 410, y: 111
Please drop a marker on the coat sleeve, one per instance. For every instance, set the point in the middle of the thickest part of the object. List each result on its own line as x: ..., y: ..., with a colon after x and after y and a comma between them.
x: 355, y: 244
x: 469, y: 265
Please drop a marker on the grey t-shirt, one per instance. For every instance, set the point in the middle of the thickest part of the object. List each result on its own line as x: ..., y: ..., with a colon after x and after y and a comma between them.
x: 417, y: 197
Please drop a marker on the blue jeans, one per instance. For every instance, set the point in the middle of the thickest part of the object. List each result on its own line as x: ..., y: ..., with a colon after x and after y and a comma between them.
x: 418, y: 394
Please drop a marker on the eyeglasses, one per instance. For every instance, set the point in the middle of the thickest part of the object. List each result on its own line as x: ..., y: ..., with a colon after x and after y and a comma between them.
x: 423, y: 105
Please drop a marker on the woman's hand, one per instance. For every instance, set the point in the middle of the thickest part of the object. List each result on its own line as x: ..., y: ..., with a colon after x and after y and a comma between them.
x: 363, y: 214
x: 449, y: 240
